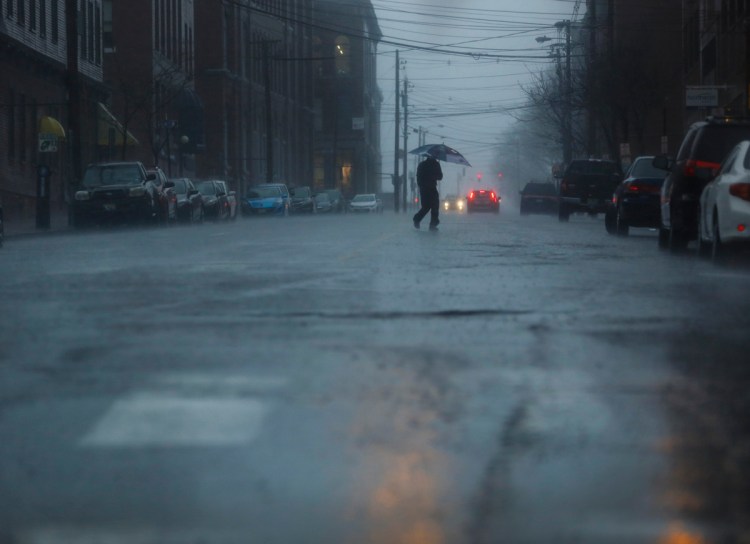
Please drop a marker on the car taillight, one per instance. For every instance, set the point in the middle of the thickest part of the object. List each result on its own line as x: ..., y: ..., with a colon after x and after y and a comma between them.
x: 740, y: 190
x: 642, y: 188
x: 493, y: 197
x: 701, y: 168
x: 471, y: 195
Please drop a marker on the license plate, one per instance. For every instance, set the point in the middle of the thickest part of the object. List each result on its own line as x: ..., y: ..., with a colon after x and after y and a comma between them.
x: 110, y: 207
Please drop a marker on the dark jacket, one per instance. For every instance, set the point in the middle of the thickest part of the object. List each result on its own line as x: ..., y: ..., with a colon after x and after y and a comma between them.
x: 428, y: 173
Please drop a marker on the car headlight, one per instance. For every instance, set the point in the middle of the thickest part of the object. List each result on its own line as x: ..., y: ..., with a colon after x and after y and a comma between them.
x: 137, y: 191
x: 460, y: 205
x: 82, y: 195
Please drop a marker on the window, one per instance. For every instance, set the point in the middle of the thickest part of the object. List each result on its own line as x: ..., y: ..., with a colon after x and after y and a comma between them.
x: 98, y: 35
x: 90, y: 31
x: 21, y: 9
x: 342, y: 54
x: 10, y: 12
x: 55, y: 21
x: 82, y: 41
x: 43, y: 18
x: 22, y: 128
x: 32, y: 16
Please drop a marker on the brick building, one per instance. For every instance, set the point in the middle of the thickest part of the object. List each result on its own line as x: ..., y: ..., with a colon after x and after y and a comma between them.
x: 33, y: 98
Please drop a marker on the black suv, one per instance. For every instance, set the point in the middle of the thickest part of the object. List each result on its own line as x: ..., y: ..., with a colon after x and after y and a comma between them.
x: 115, y: 191
x: 704, y: 147
x: 587, y: 186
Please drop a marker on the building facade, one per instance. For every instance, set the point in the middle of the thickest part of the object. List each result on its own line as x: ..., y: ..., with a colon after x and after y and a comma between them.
x: 347, y: 97
x: 34, y: 52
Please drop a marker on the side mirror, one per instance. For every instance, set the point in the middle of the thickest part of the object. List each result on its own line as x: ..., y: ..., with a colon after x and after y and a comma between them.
x: 192, y: 192
x: 662, y: 162
x: 169, y: 185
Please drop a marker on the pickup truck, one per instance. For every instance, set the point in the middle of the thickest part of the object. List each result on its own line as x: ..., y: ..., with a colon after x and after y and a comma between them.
x: 587, y: 186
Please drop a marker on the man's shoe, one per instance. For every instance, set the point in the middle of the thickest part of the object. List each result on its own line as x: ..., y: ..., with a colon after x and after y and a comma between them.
x: 416, y: 223
x: 433, y: 227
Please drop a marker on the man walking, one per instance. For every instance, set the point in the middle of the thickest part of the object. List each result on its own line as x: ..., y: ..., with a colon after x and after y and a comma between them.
x: 428, y: 174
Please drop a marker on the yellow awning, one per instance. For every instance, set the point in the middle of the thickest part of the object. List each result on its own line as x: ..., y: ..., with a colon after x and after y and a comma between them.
x: 50, y: 125
x: 111, y: 131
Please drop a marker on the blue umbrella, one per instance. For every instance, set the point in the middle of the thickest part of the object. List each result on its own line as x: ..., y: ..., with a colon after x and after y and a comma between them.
x: 441, y: 152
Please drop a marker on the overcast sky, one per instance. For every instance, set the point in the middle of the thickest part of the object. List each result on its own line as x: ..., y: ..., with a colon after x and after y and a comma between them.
x: 465, y: 62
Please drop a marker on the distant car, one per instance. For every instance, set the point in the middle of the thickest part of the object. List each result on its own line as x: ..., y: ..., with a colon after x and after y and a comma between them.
x: 323, y: 203
x: 539, y: 197
x: 587, y: 186
x: 482, y: 200
x: 264, y: 200
x: 365, y: 203
x: 705, y: 145
x: 215, y: 203
x: 189, y: 201
x: 338, y: 203
x: 115, y: 192
x: 453, y: 203
x: 635, y: 202
x: 167, y: 198
x: 286, y: 197
x: 724, y: 217
x: 301, y: 200
x: 231, y: 199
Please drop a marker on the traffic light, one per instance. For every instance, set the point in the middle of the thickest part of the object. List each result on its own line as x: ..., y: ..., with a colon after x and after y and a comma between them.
x: 479, y: 177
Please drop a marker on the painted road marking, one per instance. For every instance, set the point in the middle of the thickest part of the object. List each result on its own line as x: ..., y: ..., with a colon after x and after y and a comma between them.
x: 148, y: 419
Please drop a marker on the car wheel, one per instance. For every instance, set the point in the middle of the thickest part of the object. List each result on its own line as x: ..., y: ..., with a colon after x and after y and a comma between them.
x: 609, y: 221
x: 719, y: 252
x: 621, y: 226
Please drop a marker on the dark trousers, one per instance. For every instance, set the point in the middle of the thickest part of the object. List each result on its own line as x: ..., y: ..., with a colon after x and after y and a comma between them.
x: 430, y: 203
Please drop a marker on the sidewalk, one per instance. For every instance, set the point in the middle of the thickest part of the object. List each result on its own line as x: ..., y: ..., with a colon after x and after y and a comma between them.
x: 27, y: 226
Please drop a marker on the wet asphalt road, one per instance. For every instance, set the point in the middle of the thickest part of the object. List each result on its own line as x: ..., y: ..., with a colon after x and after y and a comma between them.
x: 348, y: 379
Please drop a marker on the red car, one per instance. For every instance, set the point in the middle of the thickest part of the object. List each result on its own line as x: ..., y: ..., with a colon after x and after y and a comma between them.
x: 479, y: 200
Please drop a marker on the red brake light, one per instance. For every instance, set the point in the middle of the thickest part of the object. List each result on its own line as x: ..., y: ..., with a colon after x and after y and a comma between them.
x: 740, y: 190
x: 693, y: 168
x: 640, y: 188
x: 493, y: 196
x: 471, y: 195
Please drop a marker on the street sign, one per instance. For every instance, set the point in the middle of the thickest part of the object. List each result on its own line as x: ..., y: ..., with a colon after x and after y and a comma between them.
x: 47, y: 143
x: 702, y: 97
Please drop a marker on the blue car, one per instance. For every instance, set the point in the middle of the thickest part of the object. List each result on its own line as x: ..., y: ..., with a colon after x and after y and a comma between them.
x: 265, y: 200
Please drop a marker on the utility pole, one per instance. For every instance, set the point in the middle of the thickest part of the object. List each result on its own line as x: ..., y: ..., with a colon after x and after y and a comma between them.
x: 567, y: 99
x: 73, y: 83
x: 396, y: 180
x: 269, y: 115
x: 406, y: 133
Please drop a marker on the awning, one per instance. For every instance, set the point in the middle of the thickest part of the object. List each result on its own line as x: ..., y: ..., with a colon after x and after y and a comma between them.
x: 111, y: 131
x: 50, y: 125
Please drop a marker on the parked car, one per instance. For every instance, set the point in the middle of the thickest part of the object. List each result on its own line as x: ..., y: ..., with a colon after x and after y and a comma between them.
x: 231, y: 198
x: 482, y: 200
x: 264, y: 200
x: 189, y: 201
x: 453, y: 203
x: 367, y: 203
x: 539, y: 197
x: 286, y: 197
x: 635, y: 202
x: 338, y: 202
x: 323, y: 203
x: 705, y: 145
x: 587, y: 186
x: 115, y: 192
x: 302, y: 200
x: 167, y: 198
x: 215, y: 203
x: 724, y: 218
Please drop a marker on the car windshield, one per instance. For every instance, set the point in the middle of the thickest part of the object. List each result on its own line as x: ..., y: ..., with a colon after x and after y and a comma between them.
x: 715, y: 142
x: 264, y: 192
x: 322, y: 197
x: 302, y: 192
x: 115, y: 174
x: 207, y: 188
x: 180, y: 186
x: 643, y: 168
x: 364, y: 198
